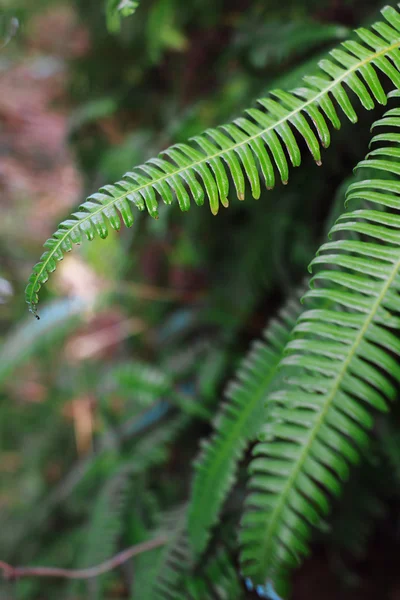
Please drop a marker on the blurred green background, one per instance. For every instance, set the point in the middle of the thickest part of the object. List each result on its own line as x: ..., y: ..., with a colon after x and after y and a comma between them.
x: 104, y: 400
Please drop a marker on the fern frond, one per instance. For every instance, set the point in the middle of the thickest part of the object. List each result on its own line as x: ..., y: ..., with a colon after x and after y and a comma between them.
x: 217, y: 579
x: 146, y: 385
x: 164, y: 579
x: 340, y: 368
x: 174, y: 575
x: 105, y: 525
x: 271, y: 43
x: 199, y: 170
x: 137, y: 379
x: 237, y: 422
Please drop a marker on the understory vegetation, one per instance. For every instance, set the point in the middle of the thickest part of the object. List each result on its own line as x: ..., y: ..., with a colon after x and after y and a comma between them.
x: 221, y: 374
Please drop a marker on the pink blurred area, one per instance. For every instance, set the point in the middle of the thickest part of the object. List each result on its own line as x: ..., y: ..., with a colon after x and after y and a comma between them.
x: 39, y: 180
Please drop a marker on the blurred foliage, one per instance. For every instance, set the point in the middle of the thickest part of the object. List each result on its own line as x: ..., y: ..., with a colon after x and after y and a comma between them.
x: 117, y: 10
x: 104, y: 401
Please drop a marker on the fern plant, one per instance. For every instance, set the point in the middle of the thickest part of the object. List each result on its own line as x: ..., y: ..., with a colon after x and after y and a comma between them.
x: 330, y: 368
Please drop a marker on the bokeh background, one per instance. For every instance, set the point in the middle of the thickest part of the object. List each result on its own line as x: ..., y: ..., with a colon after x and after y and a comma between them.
x: 104, y: 400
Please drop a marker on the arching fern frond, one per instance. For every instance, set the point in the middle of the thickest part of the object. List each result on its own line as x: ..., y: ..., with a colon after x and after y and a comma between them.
x: 172, y: 563
x: 105, y: 525
x: 217, y: 579
x: 340, y: 368
x: 173, y: 574
x: 261, y: 141
x: 237, y: 423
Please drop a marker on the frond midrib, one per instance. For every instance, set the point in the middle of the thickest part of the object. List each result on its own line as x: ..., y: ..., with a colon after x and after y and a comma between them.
x: 273, y: 520
x: 152, y: 183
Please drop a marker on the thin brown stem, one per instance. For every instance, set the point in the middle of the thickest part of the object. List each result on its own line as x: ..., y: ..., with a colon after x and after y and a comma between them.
x: 12, y: 573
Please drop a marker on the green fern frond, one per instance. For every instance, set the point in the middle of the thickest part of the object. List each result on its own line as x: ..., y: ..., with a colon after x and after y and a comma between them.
x: 146, y: 384
x: 139, y: 380
x: 198, y: 170
x: 105, y: 525
x: 173, y: 561
x: 217, y: 579
x: 340, y: 368
x: 173, y: 574
x: 237, y: 422
x: 276, y: 41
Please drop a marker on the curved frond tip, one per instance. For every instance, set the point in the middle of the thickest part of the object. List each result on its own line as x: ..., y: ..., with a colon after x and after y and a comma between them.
x: 341, y: 367
x: 264, y: 141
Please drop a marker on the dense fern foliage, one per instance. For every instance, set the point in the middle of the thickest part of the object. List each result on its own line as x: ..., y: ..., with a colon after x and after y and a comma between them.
x: 139, y: 409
